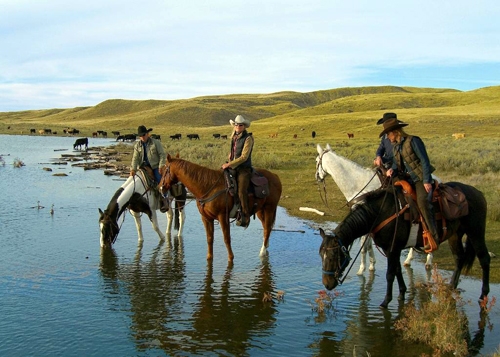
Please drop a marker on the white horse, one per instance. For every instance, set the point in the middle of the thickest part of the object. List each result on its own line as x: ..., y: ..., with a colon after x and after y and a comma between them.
x: 136, y: 196
x: 354, y: 180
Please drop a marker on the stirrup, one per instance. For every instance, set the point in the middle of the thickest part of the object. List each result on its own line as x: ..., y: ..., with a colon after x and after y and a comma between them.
x: 430, y: 244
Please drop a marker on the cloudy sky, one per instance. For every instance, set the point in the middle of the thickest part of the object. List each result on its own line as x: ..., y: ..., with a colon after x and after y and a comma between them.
x: 69, y: 53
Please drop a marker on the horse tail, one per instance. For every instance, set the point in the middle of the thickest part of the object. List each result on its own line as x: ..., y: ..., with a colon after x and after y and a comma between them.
x: 470, y: 255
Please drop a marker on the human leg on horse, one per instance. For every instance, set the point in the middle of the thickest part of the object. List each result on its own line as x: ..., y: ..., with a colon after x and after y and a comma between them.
x: 424, y: 202
x: 243, y: 176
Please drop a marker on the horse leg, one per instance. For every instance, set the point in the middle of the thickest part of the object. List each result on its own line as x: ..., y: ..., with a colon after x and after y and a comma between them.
x: 267, y: 218
x: 363, y: 255
x: 209, y: 230
x: 428, y: 262
x: 409, y: 258
x: 393, y: 271
x: 154, y: 223
x: 226, y: 233
x: 371, y: 254
x: 138, y: 224
x: 182, y: 218
x: 170, y: 218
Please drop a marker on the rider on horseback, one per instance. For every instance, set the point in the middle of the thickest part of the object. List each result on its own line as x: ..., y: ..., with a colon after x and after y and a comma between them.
x: 149, y: 152
x: 412, y: 164
x: 240, y: 159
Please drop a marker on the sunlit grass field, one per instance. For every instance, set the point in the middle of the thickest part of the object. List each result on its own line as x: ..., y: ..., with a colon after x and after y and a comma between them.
x: 282, y: 124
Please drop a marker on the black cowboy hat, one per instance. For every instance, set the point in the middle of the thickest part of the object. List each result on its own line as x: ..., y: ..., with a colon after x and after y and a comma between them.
x: 386, y: 117
x: 392, y: 124
x: 141, y: 130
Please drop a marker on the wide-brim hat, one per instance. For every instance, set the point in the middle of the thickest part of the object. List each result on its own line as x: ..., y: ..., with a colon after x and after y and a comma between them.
x: 141, y: 130
x: 386, y: 117
x: 240, y: 120
x: 390, y: 125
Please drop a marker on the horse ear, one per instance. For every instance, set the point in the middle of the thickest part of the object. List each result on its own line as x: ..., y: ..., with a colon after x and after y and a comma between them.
x: 328, y: 147
x: 319, y: 148
x: 100, y: 212
x: 169, y: 158
x: 322, y: 232
x: 178, y: 155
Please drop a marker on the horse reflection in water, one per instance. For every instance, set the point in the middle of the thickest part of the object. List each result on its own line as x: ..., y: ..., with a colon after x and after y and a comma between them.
x: 232, y: 314
x: 225, y: 313
x: 155, y: 290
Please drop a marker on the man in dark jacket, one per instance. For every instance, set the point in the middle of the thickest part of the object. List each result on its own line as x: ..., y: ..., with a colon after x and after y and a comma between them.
x: 240, y: 159
x: 383, y: 155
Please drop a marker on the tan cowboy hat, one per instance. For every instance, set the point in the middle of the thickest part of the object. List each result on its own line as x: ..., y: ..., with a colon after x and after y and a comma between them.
x: 390, y: 125
x: 240, y: 120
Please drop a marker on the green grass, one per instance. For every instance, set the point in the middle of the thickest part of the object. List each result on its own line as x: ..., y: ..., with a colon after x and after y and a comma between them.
x: 433, y: 114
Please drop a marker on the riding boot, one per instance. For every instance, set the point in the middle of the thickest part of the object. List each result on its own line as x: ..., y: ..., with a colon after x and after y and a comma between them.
x: 428, y: 216
x: 165, y: 204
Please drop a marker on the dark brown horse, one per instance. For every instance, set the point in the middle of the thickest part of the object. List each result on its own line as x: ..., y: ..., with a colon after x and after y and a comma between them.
x: 215, y: 203
x: 377, y: 207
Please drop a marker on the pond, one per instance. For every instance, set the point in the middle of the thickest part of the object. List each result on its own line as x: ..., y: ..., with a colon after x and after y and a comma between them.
x: 62, y: 296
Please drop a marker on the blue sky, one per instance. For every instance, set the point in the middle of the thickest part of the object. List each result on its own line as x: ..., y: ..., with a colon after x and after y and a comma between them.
x: 63, y: 54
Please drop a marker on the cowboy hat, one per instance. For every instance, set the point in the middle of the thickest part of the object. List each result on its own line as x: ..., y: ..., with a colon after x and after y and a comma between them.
x: 386, y: 117
x: 240, y: 120
x: 141, y: 130
x: 392, y: 124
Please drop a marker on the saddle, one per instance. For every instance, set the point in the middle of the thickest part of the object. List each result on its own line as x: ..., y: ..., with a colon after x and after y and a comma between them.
x: 449, y: 204
x: 259, y: 186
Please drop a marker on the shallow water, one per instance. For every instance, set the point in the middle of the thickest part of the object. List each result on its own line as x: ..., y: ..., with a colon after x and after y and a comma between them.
x: 61, y: 295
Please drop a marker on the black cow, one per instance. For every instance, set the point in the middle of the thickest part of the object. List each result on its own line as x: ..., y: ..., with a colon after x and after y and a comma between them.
x: 116, y: 133
x: 48, y: 131
x: 313, y: 134
x: 216, y: 136
x: 81, y: 142
x: 223, y: 136
x: 32, y: 131
x: 175, y: 137
x: 193, y: 136
x: 130, y: 137
x: 156, y: 136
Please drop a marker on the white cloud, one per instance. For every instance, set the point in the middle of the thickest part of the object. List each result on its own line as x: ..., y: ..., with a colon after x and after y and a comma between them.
x: 79, y: 53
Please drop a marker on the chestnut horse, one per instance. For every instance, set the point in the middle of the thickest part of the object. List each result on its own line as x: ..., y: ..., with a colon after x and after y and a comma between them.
x: 215, y: 203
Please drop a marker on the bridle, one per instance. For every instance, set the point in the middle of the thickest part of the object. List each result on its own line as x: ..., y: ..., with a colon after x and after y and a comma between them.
x: 340, y: 263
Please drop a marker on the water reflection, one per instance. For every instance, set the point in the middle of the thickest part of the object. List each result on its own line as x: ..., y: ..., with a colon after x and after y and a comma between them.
x: 231, y: 313
x: 154, y: 286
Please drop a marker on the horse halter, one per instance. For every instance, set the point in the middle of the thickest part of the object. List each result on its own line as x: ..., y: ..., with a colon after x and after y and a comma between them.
x: 319, y: 165
x: 165, y: 174
x: 340, y: 257
x: 110, y: 229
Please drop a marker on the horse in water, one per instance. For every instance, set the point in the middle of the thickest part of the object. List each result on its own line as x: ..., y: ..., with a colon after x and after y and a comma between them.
x: 137, y: 196
x: 380, y: 213
x: 216, y: 203
x: 353, y: 180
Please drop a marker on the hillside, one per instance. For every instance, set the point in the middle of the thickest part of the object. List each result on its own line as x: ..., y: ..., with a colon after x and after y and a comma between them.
x: 281, y: 107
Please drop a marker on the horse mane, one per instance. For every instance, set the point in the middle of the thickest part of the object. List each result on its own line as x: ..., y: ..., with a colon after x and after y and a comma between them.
x: 198, y: 173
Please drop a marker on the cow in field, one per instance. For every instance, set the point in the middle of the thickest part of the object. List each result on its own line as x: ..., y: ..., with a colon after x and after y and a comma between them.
x: 216, y: 136
x: 350, y: 135
x: 48, y: 131
x: 156, y: 136
x: 193, y: 136
x: 115, y: 133
x: 295, y: 136
x: 129, y: 137
x: 41, y: 131
x: 313, y: 134
x: 32, y: 131
x: 223, y: 137
x: 458, y: 136
x: 175, y: 137
x: 81, y: 142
